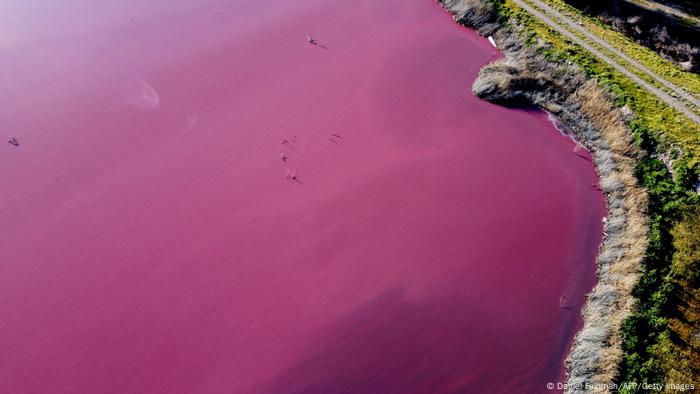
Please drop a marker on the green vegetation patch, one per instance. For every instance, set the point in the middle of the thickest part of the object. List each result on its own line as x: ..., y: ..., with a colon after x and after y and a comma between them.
x: 657, y: 337
x: 653, y: 115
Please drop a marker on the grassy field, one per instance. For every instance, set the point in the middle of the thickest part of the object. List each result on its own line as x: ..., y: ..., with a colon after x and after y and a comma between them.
x: 659, y: 341
x: 653, y: 116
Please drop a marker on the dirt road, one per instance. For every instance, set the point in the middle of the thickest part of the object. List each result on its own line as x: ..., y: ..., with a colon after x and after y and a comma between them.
x: 684, y: 102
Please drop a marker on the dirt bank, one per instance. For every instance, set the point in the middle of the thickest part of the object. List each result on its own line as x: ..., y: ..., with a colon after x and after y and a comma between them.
x: 585, y: 111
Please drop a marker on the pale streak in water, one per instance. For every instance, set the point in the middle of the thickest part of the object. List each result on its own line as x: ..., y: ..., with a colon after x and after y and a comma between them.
x: 140, y: 94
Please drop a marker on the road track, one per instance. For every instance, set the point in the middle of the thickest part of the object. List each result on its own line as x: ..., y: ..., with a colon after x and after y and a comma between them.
x: 684, y: 102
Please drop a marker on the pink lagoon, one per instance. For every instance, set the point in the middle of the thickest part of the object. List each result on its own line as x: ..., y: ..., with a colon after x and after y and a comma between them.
x: 204, y: 201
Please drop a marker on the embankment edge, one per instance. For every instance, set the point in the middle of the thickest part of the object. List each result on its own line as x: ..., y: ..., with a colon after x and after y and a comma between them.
x: 525, y: 76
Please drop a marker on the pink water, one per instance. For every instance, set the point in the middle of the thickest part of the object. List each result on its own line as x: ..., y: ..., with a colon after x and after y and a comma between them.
x: 151, y: 242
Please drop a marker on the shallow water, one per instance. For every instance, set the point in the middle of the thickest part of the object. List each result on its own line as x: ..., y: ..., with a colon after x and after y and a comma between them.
x: 152, y: 241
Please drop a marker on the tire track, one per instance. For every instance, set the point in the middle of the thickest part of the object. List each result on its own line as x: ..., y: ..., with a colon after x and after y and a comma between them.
x: 662, y: 95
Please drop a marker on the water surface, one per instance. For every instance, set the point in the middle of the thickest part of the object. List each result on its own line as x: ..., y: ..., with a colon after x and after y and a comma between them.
x: 155, y: 239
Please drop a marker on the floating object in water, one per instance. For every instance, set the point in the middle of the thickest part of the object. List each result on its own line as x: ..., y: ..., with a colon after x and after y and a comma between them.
x: 562, y: 301
x: 293, y: 175
x: 13, y: 141
x: 283, y: 156
x: 334, y: 138
x: 313, y: 41
x: 492, y: 41
x: 289, y: 144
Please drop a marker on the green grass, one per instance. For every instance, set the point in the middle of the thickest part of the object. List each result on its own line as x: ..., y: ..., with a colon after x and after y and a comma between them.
x: 653, y: 116
x: 650, y: 351
x: 656, y: 350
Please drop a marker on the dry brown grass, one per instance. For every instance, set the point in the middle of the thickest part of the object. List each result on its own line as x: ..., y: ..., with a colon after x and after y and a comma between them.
x: 586, y: 110
x: 525, y: 76
x: 624, y: 273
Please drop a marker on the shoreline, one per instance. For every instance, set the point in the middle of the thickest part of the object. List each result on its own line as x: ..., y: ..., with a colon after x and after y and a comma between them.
x: 524, y: 76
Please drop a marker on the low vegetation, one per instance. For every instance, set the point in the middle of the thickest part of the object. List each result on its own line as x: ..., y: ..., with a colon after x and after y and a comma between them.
x: 658, y: 337
x: 654, y: 117
x: 656, y: 148
x: 526, y: 75
x: 658, y: 341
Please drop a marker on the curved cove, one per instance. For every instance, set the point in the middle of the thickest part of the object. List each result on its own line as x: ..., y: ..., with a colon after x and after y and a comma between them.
x: 205, y: 201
